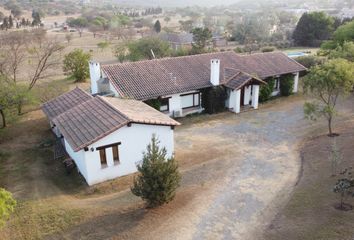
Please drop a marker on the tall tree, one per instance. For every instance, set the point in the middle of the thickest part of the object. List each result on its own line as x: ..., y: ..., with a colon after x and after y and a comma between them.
x: 326, y: 83
x: 157, y: 26
x: 76, y: 64
x: 11, y: 22
x: 158, y: 177
x: 313, y: 28
x: 201, y: 37
x: 344, y: 33
x: 79, y: 24
x: 148, y: 48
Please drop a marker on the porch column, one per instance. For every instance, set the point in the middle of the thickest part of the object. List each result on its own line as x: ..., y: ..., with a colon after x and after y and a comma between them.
x: 247, y: 95
x: 296, y: 82
x: 238, y: 101
x: 255, y: 95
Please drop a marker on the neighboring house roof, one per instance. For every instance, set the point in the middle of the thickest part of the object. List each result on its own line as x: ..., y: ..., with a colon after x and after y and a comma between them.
x: 65, y: 102
x: 178, y: 38
x: 160, y: 77
x: 100, y: 116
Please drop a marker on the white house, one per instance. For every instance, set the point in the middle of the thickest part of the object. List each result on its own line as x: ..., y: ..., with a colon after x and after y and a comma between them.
x: 106, y: 137
x: 178, y: 82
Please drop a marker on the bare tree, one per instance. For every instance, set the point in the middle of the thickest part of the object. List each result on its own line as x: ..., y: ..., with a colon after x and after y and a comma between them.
x: 13, y: 50
x: 43, y: 59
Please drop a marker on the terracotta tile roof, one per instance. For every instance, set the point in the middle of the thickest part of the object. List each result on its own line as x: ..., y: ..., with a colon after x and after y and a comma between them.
x: 139, y: 112
x: 100, y: 116
x: 153, y: 78
x: 65, y: 102
x: 240, y: 79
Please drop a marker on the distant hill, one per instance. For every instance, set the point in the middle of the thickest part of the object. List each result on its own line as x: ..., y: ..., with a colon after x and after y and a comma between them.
x: 177, y: 3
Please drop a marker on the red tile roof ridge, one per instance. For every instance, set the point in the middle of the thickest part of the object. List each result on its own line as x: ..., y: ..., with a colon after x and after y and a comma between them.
x: 167, y: 58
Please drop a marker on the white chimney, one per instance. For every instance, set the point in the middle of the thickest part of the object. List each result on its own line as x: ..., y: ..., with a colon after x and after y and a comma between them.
x: 95, y: 75
x: 215, y: 72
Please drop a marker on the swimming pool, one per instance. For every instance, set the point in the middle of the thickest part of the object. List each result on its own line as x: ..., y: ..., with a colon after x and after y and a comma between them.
x: 296, y: 54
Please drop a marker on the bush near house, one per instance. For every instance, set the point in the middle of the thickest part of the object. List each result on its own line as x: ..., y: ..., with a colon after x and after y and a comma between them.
x: 310, y: 61
x: 213, y: 99
x: 265, y: 92
x: 268, y: 49
x: 286, y: 85
x: 158, y: 176
x: 155, y: 103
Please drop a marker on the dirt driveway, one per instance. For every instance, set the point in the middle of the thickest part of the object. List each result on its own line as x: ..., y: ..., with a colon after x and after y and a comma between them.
x: 253, y: 163
x: 237, y: 171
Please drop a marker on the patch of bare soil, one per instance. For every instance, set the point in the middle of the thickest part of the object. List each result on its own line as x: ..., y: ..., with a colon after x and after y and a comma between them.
x: 312, y: 212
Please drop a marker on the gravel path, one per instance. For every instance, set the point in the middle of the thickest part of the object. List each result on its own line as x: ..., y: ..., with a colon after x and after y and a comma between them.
x: 259, y: 167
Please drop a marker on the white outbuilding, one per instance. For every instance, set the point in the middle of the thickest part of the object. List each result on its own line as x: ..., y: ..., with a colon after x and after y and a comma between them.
x: 106, y: 137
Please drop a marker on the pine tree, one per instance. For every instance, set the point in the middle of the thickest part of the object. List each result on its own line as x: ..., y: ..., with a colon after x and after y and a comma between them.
x: 157, y: 26
x: 159, y: 177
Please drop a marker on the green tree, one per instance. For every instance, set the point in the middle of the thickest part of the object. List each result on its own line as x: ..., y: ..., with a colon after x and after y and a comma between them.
x: 313, y: 28
x: 11, y: 22
x: 266, y: 90
x: 157, y: 26
x: 345, y: 51
x: 79, y: 24
x: 36, y: 16
x: 120, y: 52
x: 148, y: 48
x: 286, y: 85
x: 76, y: 64
x: 326, y: 83
x: 201, y: 37
x: 7, y: 205
x: 344, y: 33
x: 158, y: 177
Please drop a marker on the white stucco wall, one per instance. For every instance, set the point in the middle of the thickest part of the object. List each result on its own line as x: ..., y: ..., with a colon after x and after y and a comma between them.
x: 95, y: 75
x: 133, y: 140
x: 296, y: 82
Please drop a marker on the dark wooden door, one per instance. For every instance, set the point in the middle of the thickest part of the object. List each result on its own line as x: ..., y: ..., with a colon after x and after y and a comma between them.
x: 242, y: 96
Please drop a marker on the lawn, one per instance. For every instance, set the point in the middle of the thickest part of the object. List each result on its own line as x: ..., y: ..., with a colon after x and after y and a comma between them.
x: 310, y: 213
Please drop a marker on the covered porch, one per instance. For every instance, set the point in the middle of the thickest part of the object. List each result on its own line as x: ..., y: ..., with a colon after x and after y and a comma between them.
x: 243, y: 92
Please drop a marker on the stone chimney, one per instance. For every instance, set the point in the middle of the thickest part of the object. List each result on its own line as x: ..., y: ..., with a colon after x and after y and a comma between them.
x: 215, y: 72
x: 95, y: 75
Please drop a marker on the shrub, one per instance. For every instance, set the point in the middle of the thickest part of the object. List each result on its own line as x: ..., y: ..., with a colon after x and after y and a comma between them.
x: 265, y: 91
x: 7, y: 205
x: 268, y: 49
x: 158, y: 176
x: 286, y: 85
x: 213, y: 99
x: 309, y: 61
x: 155, y: 103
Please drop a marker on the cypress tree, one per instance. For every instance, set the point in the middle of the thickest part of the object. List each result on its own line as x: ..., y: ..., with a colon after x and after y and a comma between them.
x: 11, y: 22
x: 158, y: 176
x: 157, y: 26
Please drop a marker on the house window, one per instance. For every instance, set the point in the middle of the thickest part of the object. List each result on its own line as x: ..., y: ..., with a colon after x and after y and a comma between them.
x: 115, y: 152
x: 190, y: 100
x: 103, y: 157
x: 164, y: 107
